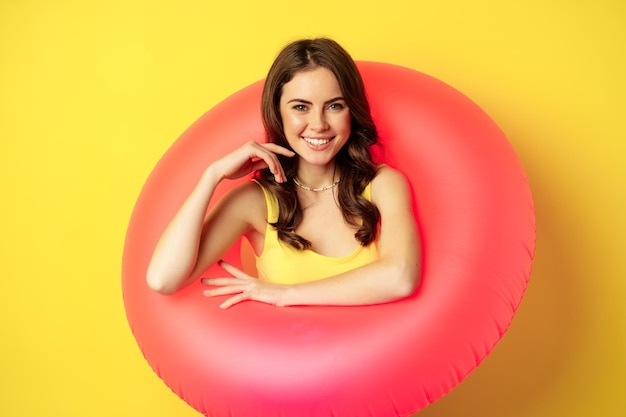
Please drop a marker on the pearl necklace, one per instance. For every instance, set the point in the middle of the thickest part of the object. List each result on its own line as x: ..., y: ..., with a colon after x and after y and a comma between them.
x: 306, y: 187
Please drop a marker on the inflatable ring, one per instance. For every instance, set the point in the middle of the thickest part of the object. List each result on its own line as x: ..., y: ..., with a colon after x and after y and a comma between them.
x: 476, y: 217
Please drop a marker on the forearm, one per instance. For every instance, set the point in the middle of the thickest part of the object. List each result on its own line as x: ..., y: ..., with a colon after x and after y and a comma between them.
x: 376, y: 283
x: 175, y: 255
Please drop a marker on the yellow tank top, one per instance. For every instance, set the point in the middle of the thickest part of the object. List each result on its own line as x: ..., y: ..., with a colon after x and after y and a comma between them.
x: 283, y: 264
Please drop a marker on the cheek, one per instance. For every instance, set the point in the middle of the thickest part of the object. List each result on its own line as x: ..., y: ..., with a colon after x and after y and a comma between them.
x: 344, y: 123
x: 292, y: 124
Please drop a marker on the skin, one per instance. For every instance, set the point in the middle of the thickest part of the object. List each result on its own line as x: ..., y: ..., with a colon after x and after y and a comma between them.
x: 316, y: 122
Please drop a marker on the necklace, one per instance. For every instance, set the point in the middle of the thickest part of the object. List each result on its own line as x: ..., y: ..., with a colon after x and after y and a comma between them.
x: 306, y: 187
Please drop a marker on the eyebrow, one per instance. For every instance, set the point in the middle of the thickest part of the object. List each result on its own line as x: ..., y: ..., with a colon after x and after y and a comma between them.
x: 300, y: 100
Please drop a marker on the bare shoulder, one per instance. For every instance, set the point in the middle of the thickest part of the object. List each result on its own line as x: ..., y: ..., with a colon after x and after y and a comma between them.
x: 249, y: 192
x: 245, y: 202
x: 390, y: 184
x: 249, y: 207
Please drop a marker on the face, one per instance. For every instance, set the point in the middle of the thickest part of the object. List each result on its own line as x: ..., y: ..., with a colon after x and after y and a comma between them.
x: 316, y: 118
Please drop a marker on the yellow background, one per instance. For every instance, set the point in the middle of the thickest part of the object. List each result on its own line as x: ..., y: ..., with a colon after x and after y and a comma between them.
x: 93, y: 93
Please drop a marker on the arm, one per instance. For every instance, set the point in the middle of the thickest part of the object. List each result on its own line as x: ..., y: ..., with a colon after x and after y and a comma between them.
x: 395, y: 275
x: 191, y: 242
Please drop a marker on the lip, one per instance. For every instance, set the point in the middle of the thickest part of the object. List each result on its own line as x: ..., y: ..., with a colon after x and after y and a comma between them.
x: 317, y: 143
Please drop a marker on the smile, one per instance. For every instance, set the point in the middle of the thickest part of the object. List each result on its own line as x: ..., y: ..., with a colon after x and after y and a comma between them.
x: 316, y: 141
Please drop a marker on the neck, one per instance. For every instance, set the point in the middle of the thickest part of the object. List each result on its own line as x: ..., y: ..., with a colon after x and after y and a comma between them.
x: 315, y: 189
x: 317, y: 177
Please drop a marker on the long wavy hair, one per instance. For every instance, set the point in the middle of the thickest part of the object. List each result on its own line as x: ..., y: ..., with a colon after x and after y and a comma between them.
x: 355, y: 159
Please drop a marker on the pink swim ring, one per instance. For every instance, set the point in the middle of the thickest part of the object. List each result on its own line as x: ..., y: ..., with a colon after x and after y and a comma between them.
x: 476, y: 216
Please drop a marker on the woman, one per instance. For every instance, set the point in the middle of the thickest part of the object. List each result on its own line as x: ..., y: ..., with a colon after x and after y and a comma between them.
x: 327, y: 225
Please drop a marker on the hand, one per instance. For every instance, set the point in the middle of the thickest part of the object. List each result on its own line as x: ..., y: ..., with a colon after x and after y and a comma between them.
x: 252, y: 157
x: 245, y: 287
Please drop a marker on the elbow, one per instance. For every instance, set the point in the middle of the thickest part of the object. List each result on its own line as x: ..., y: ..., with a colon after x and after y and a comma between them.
x: 160, y: 288
x: 408, y: 280
x: 157, y: 282
x: 405, y: 289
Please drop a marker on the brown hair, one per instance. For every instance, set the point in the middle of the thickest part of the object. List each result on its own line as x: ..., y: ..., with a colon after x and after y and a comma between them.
x: 355, y: 157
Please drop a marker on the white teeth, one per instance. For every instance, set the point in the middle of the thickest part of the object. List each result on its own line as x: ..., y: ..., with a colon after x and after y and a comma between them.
x: 316, y: 142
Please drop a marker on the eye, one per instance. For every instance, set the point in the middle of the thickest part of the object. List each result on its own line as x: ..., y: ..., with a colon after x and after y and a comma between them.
x: 337, y: 106
x: 300, y: 107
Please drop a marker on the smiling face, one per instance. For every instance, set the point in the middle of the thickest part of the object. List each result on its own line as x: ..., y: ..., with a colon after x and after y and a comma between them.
x: 316, y: 119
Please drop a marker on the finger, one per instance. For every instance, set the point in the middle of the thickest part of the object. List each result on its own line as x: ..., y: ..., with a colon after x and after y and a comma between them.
x: 279, y: 149
x: 234, y: 300
x: 231, y: 289
x: 254, y: 151
x: 220, y: 282
x: 275, y: 167
x: 234, y: 271
x: 268, y: 153
x: 259, y: 164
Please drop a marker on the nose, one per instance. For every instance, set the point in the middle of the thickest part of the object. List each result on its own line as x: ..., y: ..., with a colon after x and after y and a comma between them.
x: 318, y: 121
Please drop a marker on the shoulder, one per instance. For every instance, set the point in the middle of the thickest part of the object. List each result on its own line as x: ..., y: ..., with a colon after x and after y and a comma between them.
x: 389, y: 183
x: 246, y: 201
x: 250, y: 192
